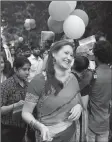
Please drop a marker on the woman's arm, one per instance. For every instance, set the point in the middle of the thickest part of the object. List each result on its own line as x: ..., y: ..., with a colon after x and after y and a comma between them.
x: 35, y: 124
x: 6, y: 109
x: 27, y: 112
x: 28, y: 116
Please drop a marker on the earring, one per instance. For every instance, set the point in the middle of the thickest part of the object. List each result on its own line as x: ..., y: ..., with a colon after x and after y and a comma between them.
x: 54, y: 60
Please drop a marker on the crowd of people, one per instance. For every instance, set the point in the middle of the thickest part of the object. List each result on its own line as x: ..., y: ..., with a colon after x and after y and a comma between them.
x: 54, y: 95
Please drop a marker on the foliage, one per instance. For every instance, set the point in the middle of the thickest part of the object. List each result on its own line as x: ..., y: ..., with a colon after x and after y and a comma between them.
x: 14, y: 13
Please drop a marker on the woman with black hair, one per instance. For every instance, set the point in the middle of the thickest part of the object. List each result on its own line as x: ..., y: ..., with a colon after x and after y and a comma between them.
x: 55, y: 94
x: 13, y: 92
x: 6, y: 70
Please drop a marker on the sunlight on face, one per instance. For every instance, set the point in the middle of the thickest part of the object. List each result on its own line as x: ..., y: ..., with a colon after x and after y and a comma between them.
x: 64, y: 57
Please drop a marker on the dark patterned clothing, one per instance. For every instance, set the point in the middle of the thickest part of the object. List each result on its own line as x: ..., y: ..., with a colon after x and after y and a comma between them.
x: 12, y: 92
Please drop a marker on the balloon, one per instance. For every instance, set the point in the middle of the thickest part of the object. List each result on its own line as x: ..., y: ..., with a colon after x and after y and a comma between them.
x: 82, y: 14
x: 20, y: 39
x: 27, y: 26
x: 74, y: 27
x: 59, y: 10
x: 27, y: 21
x: 72, y: 5
x: 32, y: 23
x: 55, y: 26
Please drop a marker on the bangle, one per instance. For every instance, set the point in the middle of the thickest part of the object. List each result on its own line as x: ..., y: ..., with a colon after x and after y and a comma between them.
x: 32, y: 123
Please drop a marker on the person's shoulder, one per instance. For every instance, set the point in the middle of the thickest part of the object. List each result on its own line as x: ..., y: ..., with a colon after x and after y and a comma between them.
x: 36, y: 85
x: 39, y: 76
x: 8, y: 83
x: 89, y: 72
x: 39, y: 79
x: 88, y: 76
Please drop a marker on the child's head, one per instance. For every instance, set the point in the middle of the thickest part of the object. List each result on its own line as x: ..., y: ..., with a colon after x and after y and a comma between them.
x: 80, y: 63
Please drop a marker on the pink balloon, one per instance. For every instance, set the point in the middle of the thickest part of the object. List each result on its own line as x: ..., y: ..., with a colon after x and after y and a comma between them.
x: 59, y: 10
x: 55, y: 26
x: 82, y: 14
x: 32, y: 23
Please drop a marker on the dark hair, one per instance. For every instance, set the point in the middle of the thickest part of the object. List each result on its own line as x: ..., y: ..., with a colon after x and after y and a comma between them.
x: 34, y: 47
x: 80, y: 63
x: 20, y: 61
x: 99, y: 34
x: 50, y: 64
x: 103, y: 51
x: 7, y: 71
x: 25, y: 48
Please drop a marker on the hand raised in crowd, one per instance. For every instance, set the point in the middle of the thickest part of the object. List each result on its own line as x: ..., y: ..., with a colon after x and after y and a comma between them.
x: 75, y: 112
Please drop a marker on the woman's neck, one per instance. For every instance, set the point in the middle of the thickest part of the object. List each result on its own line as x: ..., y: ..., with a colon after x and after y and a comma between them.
x: 61, y: 74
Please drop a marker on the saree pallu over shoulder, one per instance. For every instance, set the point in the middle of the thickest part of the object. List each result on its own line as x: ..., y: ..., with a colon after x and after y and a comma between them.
x: 55, y: 109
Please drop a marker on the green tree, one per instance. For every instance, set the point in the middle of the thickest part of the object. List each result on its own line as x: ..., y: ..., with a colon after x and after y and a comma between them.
x: 14, y: 13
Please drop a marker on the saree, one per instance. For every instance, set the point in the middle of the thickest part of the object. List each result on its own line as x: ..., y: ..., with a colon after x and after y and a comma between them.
x: 53, y: 110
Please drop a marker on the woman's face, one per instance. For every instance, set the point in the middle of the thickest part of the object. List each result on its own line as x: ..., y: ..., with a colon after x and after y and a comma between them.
x: 2, y: 64
x: 23, y: 72
x: 12, y: 51
x: 64, y: 57
x: 45, y: 54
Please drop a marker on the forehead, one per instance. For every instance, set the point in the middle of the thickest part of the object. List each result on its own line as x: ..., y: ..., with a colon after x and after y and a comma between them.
x: 66, y: 48
x: 26, y: 65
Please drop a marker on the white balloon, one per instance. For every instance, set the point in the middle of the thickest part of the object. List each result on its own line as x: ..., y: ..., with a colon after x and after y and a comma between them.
x: 20, y: 39
x: 74, y: 27
x: 72, y: 5
x: 27, y: 20
x: 27, y: 26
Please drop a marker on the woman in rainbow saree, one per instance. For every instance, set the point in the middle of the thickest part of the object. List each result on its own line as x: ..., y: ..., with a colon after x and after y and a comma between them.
x: 55, y: 94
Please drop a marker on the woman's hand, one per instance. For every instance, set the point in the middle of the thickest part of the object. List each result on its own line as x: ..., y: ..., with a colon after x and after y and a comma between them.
x: 75, y: 112
x: 45, y: 134
x: 18, y: 104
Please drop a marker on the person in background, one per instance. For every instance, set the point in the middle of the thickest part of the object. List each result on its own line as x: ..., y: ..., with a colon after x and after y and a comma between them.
x: 26, y: 51
x: 36, y: 62
x: 5, y: 68
x: 85, y: 51
x: 7, y: 53
x: 19, y: 52
x: 45, y: 53
x: 84, y: 77
x: 101, y: 94
x: 59, y: 105
x: 13, y: 92
x: 100, y: 36
x: 12, y: 51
